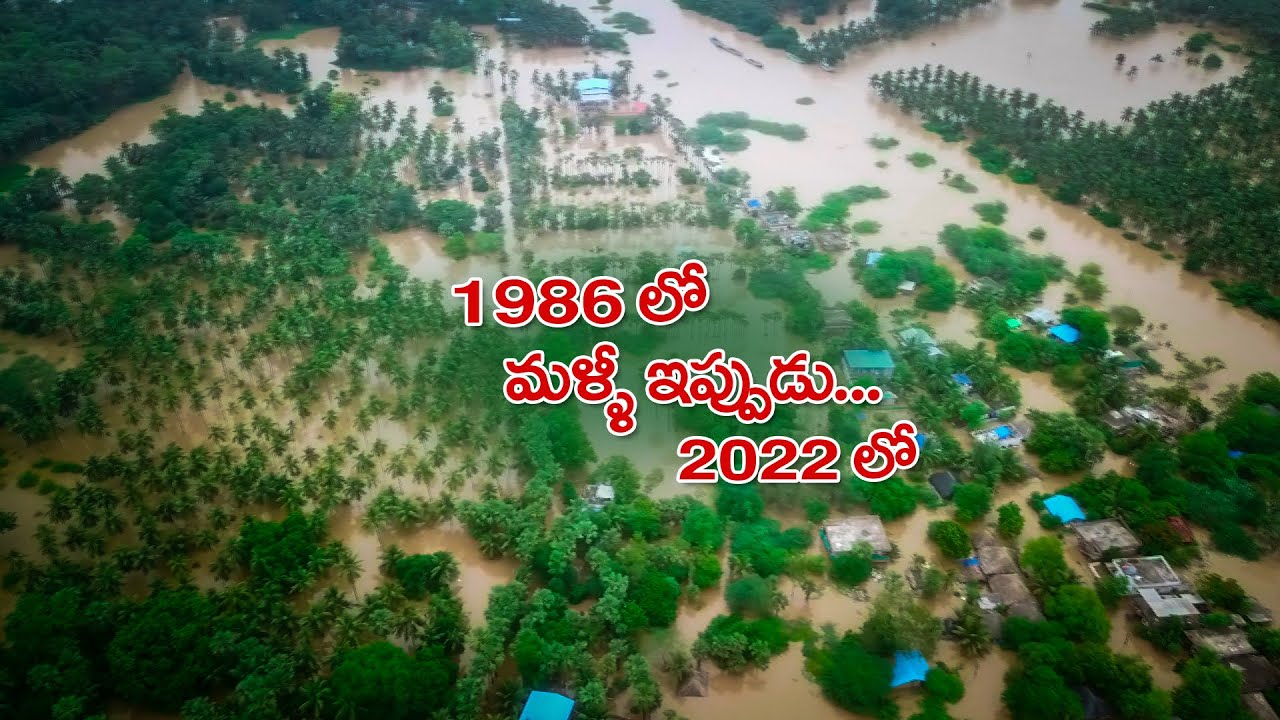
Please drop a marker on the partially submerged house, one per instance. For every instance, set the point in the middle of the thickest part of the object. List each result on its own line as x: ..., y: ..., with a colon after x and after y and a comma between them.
x: 1041, y: 316
x: 1118, y: 422
x: 798, y: 239
x: 873, y: 258
x: 835, y: 320
x: 1256, y: 613
x: 963, y: 380
x: 841, y: 535
x: 1005, y: 435
x: 831, y: 240
x: 917, y: 337
x: 1100, y: 537
x: 1257, y: 705
x: 1152, y: 572
x: 874, y: 363
x: 1226, y: 643
x: 594, y: 92
x: 944, y: 483
x: 598, y: 496
x: 996, y: 560
x: 546, y: 706
x: 1011, y: 591
x: 1153, y: 606
x: 774, y: 221
x: 906, y: 287
x: 1126, y: 360
x: 1259, y: 674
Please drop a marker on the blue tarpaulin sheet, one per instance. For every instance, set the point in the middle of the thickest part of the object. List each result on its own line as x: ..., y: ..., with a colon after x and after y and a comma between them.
x: 1065, y: 333
x: 962, y: 379
x: 908, y: 667
x: 1063, y: 507
x: 1003, y: 432
x: 546, y: 706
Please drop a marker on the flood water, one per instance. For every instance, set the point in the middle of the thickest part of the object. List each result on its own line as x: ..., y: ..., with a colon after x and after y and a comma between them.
x: 1066, y: 64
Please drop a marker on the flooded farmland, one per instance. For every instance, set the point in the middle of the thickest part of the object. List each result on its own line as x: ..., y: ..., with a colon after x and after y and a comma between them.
x: 1043, y: 47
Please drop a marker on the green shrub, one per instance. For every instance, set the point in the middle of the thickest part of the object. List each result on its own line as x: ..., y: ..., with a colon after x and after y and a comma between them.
x: 1212, y: 61
x: 853, y: 567
x: 959, y: 182
x: 991, y: 212
x: 28, y: 480
x: 1199, y: 41
x: 951, y: 538
x: 866, y: 227
x: 921, y: 159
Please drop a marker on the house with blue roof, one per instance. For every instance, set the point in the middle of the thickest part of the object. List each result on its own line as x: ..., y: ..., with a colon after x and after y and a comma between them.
x: 546, y: 706
x: 752, y: 205
x: 873, y: 258
x: 595, y: 91
x: 909, y: 668
x: 1001, y: 435
x: 961, y: 379
x: 1063, y: 507
x: 863, y: 363
x: 1065, y: 333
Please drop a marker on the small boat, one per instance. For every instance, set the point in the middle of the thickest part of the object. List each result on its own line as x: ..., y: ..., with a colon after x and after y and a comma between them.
x: 733, y: 51
x: 795, y: 58
x: 828, y: 67
x: 717, y: 43
x: 755, y: 63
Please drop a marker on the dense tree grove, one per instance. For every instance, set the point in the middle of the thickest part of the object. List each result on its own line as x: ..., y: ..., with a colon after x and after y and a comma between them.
x: 892, y: 18
x: 64, y: 66
x: 1216, y: 193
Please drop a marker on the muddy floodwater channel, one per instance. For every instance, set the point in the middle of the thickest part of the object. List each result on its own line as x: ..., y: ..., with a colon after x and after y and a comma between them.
x: 1042, y: 47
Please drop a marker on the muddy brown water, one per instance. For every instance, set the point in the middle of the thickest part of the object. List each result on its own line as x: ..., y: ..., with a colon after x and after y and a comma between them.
x: 1066, y: 64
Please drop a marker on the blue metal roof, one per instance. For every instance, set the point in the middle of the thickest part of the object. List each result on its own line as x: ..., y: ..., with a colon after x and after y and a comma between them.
x: 594, y: 85
x: 1063, y: 507
x: 962, y: 379
x: 753, y: 203
x: 920, y: 439
x: 1065, y: 333
x: 908, y: 667
x: 546, y: 706
x: 1235, y: 453
x: 868, y: 359
x: 874, y: 257
x: 1003, y: 432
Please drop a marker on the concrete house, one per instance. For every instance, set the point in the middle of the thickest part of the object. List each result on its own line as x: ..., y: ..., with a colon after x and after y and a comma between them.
x: 841, y: 535
x: 862, y: 363
x: 1002, y: 435
x: 1102, y: 536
